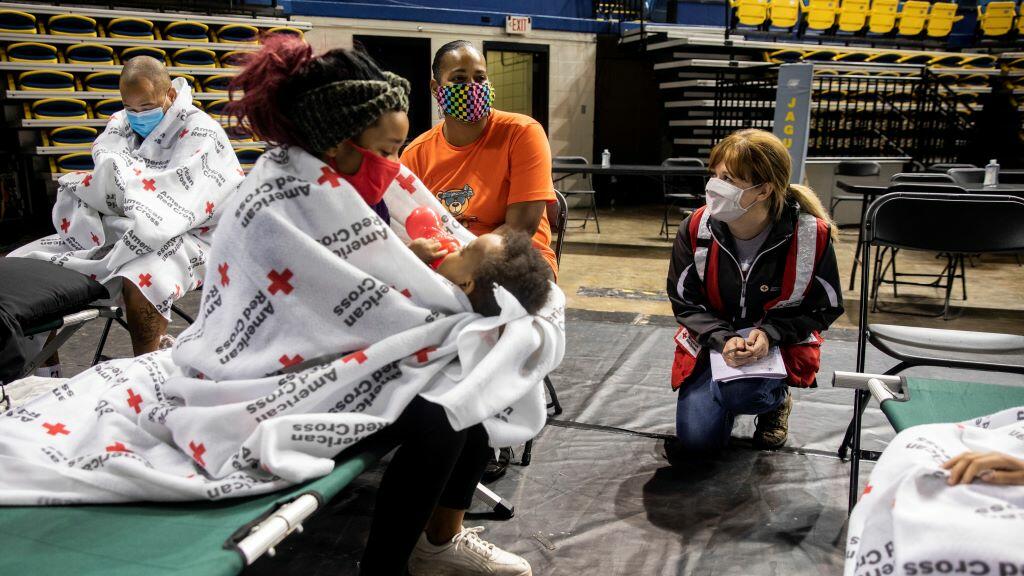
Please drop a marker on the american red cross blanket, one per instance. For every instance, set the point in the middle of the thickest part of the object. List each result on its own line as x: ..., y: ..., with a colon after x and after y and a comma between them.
x: 147, y: 210
x: 317, y: 327
x: 910, y: 521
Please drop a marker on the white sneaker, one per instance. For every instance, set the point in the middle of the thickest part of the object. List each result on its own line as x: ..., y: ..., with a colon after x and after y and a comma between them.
x: 466, y: 555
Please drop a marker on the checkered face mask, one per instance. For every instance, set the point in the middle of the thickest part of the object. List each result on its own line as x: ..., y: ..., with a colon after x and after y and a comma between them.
x: 470, y: 102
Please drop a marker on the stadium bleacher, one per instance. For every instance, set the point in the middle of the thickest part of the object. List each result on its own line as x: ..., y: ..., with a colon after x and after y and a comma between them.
x: 63, y: 64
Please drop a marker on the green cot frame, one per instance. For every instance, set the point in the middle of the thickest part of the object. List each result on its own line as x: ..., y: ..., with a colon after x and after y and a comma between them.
x: 188, y: 538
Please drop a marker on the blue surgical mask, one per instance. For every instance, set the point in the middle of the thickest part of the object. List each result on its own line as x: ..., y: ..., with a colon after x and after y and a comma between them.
x: 145, y: 122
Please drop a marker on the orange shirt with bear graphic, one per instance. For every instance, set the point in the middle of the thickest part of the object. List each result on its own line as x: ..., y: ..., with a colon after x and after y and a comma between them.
x: 509, y: 163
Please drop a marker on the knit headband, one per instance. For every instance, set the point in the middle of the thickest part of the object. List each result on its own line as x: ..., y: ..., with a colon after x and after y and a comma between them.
x: 335, y: 112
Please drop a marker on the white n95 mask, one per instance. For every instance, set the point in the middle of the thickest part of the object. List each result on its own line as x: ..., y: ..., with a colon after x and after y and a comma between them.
x: 723, y: 200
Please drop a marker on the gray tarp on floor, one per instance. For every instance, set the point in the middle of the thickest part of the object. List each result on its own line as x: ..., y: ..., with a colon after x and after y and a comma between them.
x: 600, y: 498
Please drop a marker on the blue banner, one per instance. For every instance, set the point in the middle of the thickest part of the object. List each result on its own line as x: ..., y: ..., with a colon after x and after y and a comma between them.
x: 793, y: 113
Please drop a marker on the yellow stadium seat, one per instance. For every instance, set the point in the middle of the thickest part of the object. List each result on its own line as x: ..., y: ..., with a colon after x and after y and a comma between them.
x: 945, y: 61
x: 106, y: 108
x: 996, y: 18
x: 234, y: 58
x: 786, y: 55
x: 852, y: 57
x: 1020, y: 21
x: 973, y: 80
x: 978, y: 61
x: 216, y: 107
x: 187, y: 31
x: 882, y: 18
x: 783, y: 13
x: 853, y: 15
x: 17, y: 22
x: 151, y: 51
x: 188, y: 78
x: 72, y: 25
x: 750, y: 12
x: 54, y: 80
x: 59, y: 109
x: 248, y: 156
x: 941, y: 19
x: 820, y: 14
x: 915, y: 59
x: 194, y: 58
x: 91, y: 54
x: 285, y: 30
x: 825, y: 72
x: 75, y: 162
x: 913, y: 16
x: 135, y: 28
x: 820, y: 55
x: 238, y: 34
x: 1015, y: 64
x: 885, y: 57
x: 71, y: 135
x: 102, y: 82
x: 33, y: 52
x: 238, y: 134
x: 217, y: 83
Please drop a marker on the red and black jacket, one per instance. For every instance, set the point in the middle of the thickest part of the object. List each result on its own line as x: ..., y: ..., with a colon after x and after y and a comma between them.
x: 791, y: 291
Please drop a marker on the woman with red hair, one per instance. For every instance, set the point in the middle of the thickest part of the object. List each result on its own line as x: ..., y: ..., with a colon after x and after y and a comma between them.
x: 341, y: 109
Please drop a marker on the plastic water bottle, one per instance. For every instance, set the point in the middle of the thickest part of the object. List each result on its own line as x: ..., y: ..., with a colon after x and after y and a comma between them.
x: 992, y: 173
x: 606, y: 159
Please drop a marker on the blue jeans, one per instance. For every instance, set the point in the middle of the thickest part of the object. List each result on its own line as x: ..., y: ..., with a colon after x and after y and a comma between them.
x: 706, y: 409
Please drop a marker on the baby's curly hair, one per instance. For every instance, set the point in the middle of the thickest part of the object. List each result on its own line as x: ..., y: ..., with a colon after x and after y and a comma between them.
x: 518, y: 268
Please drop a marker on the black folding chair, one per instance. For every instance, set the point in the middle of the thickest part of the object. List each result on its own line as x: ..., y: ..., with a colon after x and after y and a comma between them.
x: 907, y: 220
x: 967, y: 176
x: 590, y: 193
x: 921, y: 178
x: 885, y: 259
x: 674, y: 191
x: 855, y: 169
x: 942, y: 168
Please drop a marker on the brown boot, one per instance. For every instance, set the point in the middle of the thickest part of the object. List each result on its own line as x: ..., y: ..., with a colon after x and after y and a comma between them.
x: 772, y: 428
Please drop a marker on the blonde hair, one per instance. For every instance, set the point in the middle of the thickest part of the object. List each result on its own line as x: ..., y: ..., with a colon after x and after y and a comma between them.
x: 760, y: 157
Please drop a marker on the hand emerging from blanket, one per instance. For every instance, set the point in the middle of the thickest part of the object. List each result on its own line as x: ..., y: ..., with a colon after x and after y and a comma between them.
x: 989, y: 467
x: 427, y: 249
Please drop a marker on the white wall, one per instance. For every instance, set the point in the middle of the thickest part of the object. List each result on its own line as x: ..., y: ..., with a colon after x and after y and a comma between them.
x: 573, y: 59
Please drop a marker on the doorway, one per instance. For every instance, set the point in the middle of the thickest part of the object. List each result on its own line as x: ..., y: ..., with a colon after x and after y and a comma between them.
x: 519, y: 74
x: 410, y: 59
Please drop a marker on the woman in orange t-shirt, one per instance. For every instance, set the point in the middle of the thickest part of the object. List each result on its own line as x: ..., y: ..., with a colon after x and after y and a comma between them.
x: 490, y: 169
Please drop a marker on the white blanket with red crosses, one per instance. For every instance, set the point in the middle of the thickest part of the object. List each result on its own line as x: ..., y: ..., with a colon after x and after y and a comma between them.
x: 910, y: 521
x: 317, y: 327
x: 146, y: 212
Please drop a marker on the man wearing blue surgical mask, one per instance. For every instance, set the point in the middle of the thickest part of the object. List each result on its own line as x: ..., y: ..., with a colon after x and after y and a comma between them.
x: 140, y: 222
x: 146, y: 92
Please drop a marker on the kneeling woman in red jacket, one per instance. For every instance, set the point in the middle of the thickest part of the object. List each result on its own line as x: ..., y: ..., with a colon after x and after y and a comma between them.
x: 759, y: 255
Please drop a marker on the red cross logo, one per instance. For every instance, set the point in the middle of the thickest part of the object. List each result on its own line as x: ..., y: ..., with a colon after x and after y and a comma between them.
x: 423, y: 355
x: 149, y: 184
x: 867, y: 490
x: 209, y: 208
x: 95, y: 238
x: 86, y: 180
x: 223, y: 270
x: 137, y: 171
x: 407, y: 183
x: 134, y: 401
x: 405, y: 292
x: 286, y: 361
x: 329, y: 175
x: 197, y: 452
x: 144, y: 280
x: 358, y: 356
x: 117, y: 447
x: 183, y: 133
x: 279, y: 281
x: 64, y: 225
x: 204, y: 229
x: 55, y: 429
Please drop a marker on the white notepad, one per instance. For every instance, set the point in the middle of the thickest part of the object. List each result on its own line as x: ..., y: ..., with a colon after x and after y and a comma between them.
x: 771, y: 366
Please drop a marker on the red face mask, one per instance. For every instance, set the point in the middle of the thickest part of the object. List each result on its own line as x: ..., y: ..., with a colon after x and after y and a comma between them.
x: 374, y: 176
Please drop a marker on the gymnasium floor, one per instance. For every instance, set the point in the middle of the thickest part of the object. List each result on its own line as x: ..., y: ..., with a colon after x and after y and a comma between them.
x: 600, y: 497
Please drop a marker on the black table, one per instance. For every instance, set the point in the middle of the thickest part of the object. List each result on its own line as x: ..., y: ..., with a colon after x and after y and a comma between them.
x: 629, y: 170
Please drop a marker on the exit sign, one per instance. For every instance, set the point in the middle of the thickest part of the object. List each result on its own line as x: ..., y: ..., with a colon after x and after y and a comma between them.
x: 518, y: 24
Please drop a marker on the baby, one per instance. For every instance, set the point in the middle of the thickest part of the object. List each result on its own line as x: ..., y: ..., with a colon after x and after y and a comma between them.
x: 508, y: 260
